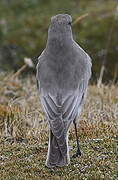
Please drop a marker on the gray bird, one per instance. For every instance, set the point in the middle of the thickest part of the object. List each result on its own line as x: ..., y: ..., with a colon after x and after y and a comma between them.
x: 63, y: 72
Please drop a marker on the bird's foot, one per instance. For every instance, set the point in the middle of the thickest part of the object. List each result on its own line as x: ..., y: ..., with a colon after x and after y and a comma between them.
x: 77, y: 154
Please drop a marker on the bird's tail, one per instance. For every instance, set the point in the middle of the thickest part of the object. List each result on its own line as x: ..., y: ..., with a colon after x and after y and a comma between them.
x: 58, y: 154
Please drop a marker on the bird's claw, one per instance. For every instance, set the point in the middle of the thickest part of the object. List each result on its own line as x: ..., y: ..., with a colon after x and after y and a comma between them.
x: 78, y: 153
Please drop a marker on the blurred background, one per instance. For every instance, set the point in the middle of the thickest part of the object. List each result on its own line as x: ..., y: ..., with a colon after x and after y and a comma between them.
x: 24, y: 25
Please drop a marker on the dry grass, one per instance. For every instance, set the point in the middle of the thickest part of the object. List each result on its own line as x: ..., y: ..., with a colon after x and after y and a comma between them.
x: 24, y: 134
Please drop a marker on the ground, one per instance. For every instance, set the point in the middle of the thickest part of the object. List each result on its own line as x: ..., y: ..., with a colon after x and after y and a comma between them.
x: 24, y: 134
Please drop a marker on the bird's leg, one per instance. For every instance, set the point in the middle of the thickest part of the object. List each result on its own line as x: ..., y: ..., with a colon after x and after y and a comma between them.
x: 78, y: 153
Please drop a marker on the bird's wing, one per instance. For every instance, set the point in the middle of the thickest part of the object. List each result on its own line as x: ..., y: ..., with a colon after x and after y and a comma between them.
x: 87, y: 61
x: 60, y: 110
x: 40, y: 59
x: 72, y: 104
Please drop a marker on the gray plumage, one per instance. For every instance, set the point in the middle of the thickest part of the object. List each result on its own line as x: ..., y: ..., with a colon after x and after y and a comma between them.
x: 63, y: 72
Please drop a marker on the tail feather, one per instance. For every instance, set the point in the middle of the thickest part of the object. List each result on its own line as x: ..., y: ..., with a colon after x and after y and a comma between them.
x: 58, y: 144
x: 55, y: 156
x: 59, y: 132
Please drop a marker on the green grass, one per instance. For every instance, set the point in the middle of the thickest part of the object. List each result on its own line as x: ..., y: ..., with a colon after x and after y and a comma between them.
x: 23, y: 151
x: 26, y: 161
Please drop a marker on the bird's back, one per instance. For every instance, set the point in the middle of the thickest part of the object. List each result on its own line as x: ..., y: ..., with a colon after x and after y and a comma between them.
x: 65, y: 70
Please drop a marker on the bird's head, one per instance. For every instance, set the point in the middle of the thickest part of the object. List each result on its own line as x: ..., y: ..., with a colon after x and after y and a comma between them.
x: 60, y: 24
x: 61, y: 20
x: 59, y: 32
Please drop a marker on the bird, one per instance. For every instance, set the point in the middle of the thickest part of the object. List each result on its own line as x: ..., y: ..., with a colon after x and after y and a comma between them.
x: 62, y: 72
